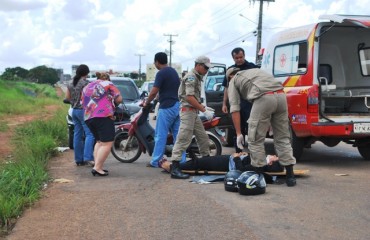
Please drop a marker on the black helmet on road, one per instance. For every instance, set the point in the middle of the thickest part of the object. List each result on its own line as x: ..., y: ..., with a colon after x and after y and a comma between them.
x: 230, y: 180
x: 251, y: 183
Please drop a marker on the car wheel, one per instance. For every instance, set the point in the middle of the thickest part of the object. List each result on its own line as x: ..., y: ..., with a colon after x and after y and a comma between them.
x: 70, y: 138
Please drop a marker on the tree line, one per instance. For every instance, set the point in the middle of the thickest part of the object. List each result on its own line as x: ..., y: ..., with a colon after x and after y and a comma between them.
x: 40, y: 74
x: 44, y: 74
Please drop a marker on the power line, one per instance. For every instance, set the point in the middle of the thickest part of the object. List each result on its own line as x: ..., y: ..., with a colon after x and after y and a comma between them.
x: 223, y: 16
x: 247, y: 18
x: 227, y: 11
x: 243, y: 37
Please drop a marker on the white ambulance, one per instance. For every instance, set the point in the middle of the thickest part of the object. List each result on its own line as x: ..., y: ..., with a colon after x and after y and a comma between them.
x: 325, y: 69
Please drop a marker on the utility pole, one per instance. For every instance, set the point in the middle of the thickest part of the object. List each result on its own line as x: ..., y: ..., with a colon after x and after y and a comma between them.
x: 171, y: 42
x: 259, y: 28
x: 140, y: 55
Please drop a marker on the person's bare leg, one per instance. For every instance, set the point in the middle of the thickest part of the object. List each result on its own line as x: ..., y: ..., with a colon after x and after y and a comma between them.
x: 96, y: 149
x: 103, y: 150
x: 166, y: 165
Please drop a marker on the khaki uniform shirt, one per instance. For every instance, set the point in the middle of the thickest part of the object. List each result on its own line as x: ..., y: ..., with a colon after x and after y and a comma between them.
x: 191, y: 84
x: 250, y: 85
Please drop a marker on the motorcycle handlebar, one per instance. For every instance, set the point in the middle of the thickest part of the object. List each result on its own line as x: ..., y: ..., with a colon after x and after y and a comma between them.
x: 148, y: 106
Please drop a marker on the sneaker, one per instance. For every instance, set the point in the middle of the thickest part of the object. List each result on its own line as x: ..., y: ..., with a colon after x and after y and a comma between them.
x: 90, y: 163
x: 80, y: 164
x: 149, y: 165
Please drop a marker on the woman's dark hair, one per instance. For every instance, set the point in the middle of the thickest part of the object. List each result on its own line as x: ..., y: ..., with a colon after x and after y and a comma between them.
x: 161, y: 57
x: 81, y: 71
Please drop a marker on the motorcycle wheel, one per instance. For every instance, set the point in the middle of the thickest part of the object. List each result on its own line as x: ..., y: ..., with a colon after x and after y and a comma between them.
x: 215, y: 148
x: 132, y: 151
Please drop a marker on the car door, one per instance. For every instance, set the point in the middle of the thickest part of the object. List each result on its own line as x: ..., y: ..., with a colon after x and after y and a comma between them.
x: 214, y: 92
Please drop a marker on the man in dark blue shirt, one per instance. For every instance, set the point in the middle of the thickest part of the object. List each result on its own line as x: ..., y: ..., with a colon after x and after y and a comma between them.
x: 166, y: 85
x: 238, y: 55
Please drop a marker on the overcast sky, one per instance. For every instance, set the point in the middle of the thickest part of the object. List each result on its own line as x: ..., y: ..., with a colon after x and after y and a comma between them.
x: 110, y: 34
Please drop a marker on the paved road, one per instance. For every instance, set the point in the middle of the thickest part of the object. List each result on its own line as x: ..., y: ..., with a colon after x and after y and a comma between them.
x: 136, y: 202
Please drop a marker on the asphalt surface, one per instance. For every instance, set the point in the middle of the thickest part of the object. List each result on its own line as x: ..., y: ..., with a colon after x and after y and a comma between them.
x: 136, y: 202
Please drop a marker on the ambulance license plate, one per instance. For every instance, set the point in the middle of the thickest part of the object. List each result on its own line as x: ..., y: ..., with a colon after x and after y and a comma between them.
x: 361, y: 127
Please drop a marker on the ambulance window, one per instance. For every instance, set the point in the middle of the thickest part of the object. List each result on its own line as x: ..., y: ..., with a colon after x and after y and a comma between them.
x: 290, y: 59
x: 365, y: 61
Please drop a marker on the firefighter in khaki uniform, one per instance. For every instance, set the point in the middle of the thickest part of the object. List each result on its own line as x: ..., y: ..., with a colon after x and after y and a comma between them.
x: 190, y: 123
x: 269, y: 108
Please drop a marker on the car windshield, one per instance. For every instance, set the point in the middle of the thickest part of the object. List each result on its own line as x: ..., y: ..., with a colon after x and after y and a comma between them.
x: 216, y: 70
x: 147, y: 86
x: 151, y: 84
x: 127, y: 89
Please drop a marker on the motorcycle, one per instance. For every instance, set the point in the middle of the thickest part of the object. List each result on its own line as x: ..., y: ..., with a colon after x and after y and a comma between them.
x: 137, y: 137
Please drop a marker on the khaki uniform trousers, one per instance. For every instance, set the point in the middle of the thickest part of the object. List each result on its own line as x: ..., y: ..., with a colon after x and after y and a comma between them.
x: 190, y: 124
x: 269, y: 110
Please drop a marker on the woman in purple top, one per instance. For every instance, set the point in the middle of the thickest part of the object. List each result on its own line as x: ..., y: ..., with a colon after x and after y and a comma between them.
x: 98, y: 99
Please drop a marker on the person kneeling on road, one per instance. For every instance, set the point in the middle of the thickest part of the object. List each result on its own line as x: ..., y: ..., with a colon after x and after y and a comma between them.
x: 269, y: 108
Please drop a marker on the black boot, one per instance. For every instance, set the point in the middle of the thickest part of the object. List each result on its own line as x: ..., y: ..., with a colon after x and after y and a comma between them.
x: 290, y: 179
x: 176, y: 171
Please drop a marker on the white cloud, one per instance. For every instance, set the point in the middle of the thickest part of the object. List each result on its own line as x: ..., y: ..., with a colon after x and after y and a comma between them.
x: 21, y: 5
x: 48, y: 48
x: 109, y: 33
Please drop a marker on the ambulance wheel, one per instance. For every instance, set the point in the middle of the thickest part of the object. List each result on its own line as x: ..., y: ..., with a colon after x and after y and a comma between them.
x: 364, y: 150
x: 297, y: 144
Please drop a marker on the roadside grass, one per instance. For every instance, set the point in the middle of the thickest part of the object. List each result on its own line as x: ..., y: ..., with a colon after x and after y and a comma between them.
x: 22, y: 178
x: 3, y: 126
x: 25, y: 97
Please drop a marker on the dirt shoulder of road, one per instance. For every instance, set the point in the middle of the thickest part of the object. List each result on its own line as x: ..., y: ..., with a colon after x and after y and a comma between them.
x: 13, y: 121
x: 133, y: 202
x: 54, y: 202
